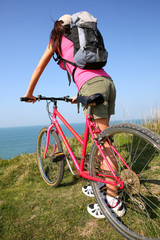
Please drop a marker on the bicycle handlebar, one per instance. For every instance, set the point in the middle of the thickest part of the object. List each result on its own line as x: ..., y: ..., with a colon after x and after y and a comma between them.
x: 53, y: 99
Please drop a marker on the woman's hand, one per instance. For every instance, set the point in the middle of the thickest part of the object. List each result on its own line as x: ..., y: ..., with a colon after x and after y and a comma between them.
x: 33, y: 99
x: 74, y: 99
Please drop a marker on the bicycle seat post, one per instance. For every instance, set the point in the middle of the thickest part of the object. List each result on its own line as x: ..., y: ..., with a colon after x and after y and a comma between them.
x: 89, y: 110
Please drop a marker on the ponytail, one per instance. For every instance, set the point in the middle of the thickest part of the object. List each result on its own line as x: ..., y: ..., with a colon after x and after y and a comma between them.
x: 56, y: 35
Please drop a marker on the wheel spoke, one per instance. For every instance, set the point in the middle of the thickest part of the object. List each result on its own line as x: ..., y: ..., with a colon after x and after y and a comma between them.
x: 140, y: 148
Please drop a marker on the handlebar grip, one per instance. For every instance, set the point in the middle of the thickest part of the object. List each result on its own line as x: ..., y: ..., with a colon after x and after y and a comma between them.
x: 25, y: 99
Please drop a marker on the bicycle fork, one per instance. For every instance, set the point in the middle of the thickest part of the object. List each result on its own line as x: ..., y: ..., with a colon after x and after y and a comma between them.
x: 47, y: 143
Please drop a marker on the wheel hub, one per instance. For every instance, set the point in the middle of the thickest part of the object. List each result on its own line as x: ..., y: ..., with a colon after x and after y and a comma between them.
x: 131, y: 181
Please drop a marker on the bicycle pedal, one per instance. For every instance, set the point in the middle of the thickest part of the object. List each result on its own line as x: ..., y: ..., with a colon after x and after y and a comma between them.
x: 57, y: 157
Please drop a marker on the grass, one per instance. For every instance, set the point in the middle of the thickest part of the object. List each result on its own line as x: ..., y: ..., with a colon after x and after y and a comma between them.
x: 152, y: 121
x: 32, y: 210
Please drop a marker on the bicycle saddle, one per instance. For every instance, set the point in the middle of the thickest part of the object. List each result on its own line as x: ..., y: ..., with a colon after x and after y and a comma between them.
x: 92, y: 100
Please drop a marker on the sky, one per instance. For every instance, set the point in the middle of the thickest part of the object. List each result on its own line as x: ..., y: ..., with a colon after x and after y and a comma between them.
x: 131, y: 32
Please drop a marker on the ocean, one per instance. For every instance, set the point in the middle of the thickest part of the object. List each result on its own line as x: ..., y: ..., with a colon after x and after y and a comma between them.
x: 18, y: 140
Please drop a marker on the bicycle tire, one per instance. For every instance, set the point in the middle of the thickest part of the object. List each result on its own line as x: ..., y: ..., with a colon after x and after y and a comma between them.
x: 51, y: 171
x: 140, y: 148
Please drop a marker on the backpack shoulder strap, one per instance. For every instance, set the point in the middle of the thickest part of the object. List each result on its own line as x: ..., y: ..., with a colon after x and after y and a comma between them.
x: 58, y: 59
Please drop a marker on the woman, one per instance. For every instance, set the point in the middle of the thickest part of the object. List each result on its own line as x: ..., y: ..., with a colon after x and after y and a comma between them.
x: 88, y: 82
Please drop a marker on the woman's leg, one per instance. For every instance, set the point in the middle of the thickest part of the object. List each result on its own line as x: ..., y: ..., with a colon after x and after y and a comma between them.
x: 103, y: 123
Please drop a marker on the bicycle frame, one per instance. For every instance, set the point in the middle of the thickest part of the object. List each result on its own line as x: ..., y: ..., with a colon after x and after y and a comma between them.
x: 140, y: 148
x: 88, y: 128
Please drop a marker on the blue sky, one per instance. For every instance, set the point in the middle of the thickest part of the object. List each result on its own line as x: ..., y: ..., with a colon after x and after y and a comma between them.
x: 131, y: 31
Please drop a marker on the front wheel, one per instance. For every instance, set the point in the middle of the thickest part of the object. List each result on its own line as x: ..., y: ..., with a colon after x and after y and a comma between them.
x: 52, y: 166
x: 140, y: 148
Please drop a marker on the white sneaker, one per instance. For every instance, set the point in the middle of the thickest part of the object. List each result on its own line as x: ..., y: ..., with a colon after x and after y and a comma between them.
x: 96, y: 212
x: 87, y: 190
x: 118, y: 209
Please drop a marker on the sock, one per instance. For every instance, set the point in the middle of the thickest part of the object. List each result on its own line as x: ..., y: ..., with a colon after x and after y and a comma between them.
x: 112, y: 201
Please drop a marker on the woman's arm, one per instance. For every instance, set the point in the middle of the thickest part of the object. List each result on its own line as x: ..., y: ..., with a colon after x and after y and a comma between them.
x: 38, y: 71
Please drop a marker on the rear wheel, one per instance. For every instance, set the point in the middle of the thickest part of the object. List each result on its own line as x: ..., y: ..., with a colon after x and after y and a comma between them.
x: 140, y: 148
x: 52, y: 166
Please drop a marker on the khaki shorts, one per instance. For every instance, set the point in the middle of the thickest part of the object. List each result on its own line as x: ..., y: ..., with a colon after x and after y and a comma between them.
x: 105, y: 86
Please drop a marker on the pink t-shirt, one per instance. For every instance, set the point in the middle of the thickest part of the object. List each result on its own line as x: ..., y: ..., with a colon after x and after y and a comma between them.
x: 81, y: 75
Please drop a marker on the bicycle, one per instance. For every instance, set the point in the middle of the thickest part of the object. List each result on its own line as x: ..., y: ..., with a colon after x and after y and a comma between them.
x: 137, y: 152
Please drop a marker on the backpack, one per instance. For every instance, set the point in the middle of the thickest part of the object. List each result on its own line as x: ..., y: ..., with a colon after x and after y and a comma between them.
x: 89, y: 49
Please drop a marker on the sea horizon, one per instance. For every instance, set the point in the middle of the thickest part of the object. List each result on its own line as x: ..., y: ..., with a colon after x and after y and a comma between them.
x: 15, y: 141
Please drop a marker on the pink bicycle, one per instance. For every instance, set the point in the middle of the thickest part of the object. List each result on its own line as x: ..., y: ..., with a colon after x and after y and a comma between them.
x: 137, y: 152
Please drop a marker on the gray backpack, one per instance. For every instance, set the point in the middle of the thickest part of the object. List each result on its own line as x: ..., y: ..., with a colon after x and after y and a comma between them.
x: 89, y: 49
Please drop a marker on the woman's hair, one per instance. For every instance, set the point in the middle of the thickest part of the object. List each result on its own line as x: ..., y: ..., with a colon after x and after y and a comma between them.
x: 56, y: 35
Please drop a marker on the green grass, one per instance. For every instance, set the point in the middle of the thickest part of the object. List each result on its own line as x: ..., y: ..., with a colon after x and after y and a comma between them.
x: 152, y: 121
x: 32, y: 210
